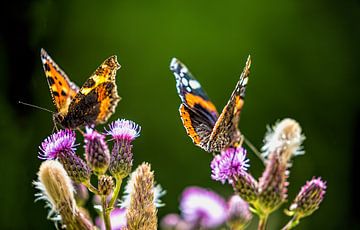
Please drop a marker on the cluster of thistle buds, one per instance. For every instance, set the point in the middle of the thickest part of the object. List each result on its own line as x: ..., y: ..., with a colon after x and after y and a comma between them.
x: 262, y: 196
x: 64, y: 173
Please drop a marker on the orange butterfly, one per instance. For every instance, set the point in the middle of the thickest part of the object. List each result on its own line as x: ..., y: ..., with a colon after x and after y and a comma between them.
x: 92, y: 104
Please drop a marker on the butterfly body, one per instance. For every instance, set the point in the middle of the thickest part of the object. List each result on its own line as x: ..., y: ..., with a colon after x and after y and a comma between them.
x: 91, y: 104
x: 209, y: 130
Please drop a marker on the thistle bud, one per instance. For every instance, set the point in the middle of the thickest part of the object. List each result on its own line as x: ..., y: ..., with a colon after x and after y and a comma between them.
x: 272, y: 190
x: 123, y: 132
x: 56, y: 188
x: 75, y: 167
x: 309, y: 198
x: 105, y: 185
x: 245, y: 186
x: 141, y: 212
x: 96, y: 151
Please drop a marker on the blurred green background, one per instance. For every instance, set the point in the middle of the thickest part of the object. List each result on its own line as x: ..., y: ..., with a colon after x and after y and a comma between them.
x: 305, y: 66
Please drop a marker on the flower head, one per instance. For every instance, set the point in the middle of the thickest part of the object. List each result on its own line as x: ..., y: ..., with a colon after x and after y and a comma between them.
x: 123, y: 132
x: 96, y: 151
x: 272, y: 189
x: 309, y: 198
x: 141, y: 212
x: 61, y: 141
x: 157, y: 190
x: 117, y: 219
x: 284, y: 137
x: 230, y: 163
x: 122, y: 129
x: 56, y: 188
x: 239, y: 214
x: 203, y: 208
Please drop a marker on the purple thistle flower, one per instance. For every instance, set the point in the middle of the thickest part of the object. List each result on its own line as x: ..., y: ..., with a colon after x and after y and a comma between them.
x: 229, y: 164
x: 117, y: 219
x: 96, y: 151
x: 61, y: 141
x: 309, y: 197
x: 203, y: 208
x: 124, y: 130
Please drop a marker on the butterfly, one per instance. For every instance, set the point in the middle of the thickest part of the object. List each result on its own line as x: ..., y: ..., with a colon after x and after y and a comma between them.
x: 91, y: 104
x: 207, y: 129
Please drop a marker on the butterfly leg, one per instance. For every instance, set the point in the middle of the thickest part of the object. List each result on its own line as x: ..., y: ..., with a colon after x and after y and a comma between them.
x: 55, y: 125
x: 82, y: 132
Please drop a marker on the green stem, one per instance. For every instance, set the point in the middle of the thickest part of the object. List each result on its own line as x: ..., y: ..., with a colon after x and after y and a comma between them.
x: 91, y: 188
x: 263, y: 221
x: 292, y: 223
x: 106, y: 214
x: 115, y: 194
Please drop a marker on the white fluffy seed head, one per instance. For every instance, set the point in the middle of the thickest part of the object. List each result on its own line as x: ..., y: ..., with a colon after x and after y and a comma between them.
x: 284, y: 137
x: 55, y: 187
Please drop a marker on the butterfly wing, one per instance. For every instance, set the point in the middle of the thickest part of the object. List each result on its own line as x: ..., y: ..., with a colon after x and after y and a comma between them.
x: 197, y: 112
x: 97, y: 98
x: 225, y: 132
x: 61, y: 88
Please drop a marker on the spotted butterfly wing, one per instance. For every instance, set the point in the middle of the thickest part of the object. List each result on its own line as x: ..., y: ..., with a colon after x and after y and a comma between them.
x: 97, y: 98
x: 207, y: 129
x: 61, y: 88
x: 225, y: 132
x: 197, y: 112
x: 92, y: 104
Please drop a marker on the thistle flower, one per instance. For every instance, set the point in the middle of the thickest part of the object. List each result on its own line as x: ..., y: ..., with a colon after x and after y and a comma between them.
x: 117, y: 219
x: 309, y: 198
x: 203, y: 208
x: 123, y: 132
x: 245, y: 186
x: 105, y: 185
x: 61, y: 146
x: 285, y: 138
x: 96, y: 151
x: 57, y: 143
x: 141, y: 212
x: 229, y: 164
x: 272, y: 189
x: 239, y: 214
x: 57, y: 190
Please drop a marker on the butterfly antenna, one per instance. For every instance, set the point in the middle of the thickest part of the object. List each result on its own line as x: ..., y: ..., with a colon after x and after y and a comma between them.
x: 35, y: 106
x: 254, y: 149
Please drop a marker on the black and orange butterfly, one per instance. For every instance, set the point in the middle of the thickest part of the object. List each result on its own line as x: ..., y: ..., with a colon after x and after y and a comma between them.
x: 207, y: 129
x: 92, y: 104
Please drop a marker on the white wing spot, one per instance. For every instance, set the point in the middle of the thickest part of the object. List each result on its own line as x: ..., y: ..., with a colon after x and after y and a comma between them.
x: 184, y: 81
x: 188, y: 89
x: 245, y: 81
x: 194, y: 84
